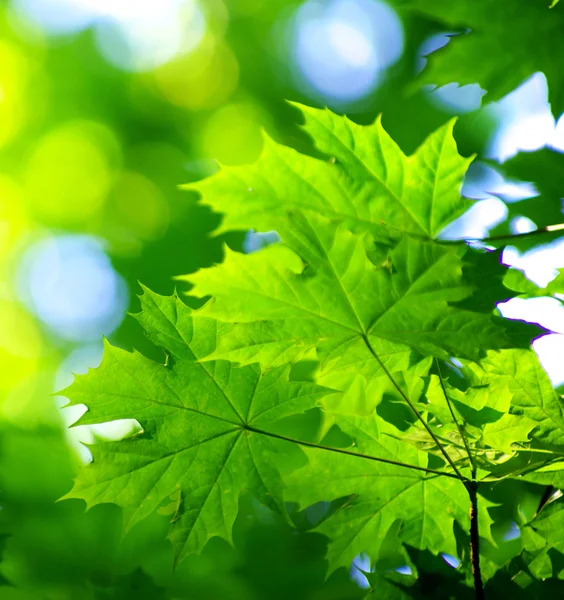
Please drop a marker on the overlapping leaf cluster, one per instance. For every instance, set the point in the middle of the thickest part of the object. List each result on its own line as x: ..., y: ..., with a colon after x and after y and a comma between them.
x: 492, y: 44
x: 422, y: 386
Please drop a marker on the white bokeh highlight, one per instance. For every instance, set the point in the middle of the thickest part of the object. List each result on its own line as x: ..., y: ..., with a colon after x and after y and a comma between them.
x: 57, y: 17
x: 78, y: 362
x: 142, y: 35
x: 133, y: 36
x: 541, y: 265
x: 550, y: 350
x: 341, y: 48
x: 69, y: 283
x: 526, y: 122
x: 452, y: 97
x: 547, y: 312
x: 491, y: 192
x: 520, y: 225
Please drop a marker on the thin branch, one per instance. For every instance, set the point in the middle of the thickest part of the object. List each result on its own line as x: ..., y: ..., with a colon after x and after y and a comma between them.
x: 491, y: 238
x: 349, y: 453
x: 443, y: 439
x: 457, y: 423
x: 509, y: 236
x: 538, y: 450
x: 528, y: 469
x: 415, y: 411
x: 475, y: 541
x: 488, y: 450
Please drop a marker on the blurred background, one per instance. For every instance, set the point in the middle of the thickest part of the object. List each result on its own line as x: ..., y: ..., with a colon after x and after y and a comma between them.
x: 106, y: 107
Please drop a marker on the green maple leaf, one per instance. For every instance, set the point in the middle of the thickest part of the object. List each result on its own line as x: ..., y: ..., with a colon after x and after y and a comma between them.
x: 431, y: 577
x: 378, y: 312
x: 544, y: 168
x: 524, y: 36
x: 474, y: 419
x: 531, y: 428
x: 196, y: 449
x: 380, y: 495
x: 484, y: 412
x: 543, y: 542
x: 507, y: 432
x: 362, y: 318
x: 367, y: 182
x: 344, y: 286
x: 532, y: 393
x: 207, y: 434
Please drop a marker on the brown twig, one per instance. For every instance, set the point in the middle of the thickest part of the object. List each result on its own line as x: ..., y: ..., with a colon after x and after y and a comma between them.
x: 475, y: 541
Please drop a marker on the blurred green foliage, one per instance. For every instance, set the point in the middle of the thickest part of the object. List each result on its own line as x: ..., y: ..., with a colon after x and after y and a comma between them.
x: 86, y: 148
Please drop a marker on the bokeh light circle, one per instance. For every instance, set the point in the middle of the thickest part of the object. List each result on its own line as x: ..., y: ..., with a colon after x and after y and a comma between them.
x: 232, y: 134
x: 70, y: 172
x: 135, y: 35
x: 452, y: 97
x: 13, y: 218
x: 202, y: 79
x: 144, y: 35
x: 341, y: 47
x: 139, y: 208
x: 58, y: 17
x: 69, y: 283
x: 14, y: 74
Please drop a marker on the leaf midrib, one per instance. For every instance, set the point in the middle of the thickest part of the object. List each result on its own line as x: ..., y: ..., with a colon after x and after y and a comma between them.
x: 201, y: 364
x: 371, y: 173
